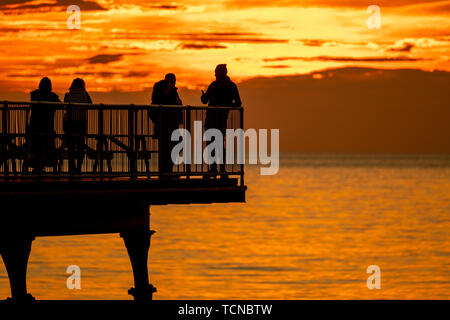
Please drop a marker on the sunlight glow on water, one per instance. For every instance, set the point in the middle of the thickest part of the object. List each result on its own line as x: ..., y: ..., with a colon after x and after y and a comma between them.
x: 307, y: 233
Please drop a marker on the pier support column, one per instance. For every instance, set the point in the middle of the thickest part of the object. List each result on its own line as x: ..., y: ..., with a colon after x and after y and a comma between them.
x: 138, y: 245
x: 15, y: 252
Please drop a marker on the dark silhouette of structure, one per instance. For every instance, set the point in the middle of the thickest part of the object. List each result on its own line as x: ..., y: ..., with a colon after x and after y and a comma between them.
x: 168, y: 120
x: 75, y: 122
x: 222, y: 92
x: 118, y: 183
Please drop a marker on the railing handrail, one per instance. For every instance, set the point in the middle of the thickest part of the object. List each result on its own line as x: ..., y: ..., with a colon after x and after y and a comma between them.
x: 118, y: 140
x: 116, y: 106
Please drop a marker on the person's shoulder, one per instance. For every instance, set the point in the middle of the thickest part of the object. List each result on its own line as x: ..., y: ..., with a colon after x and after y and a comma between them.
x: 34, y: 93
x: 159, y: 83
x: 54, y: 96
x: 67, y: 97
x: 231, y: 82
x: 88, y: 97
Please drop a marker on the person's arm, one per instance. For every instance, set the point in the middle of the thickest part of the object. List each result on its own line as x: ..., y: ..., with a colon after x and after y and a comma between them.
x: 55, y: 97
x: 237, y: 99
x: 66, y: 98
x: 156, y: 94
x: 205, y: 96
x: 177, y: 97
x: 88, y: 98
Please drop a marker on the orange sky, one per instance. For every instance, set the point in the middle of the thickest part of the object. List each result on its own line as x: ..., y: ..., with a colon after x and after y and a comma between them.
x: 127, y: 45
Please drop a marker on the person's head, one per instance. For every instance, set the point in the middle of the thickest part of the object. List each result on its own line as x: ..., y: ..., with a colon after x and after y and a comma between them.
x: 164, y: 87
x: 78, y: 84
x: 45, y: 84
x: 171, y: 79
x: 221, y: 71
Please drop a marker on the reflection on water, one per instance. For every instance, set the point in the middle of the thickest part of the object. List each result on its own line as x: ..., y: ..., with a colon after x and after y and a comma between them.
x: 309, y: 232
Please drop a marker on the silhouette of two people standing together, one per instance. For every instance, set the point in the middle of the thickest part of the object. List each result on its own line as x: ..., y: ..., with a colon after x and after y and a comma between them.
x: 221, y: 92
x: 42, y: 150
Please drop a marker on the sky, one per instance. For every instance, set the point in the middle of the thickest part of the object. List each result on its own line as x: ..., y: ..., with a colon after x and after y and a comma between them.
x: 127, y: 45
x: 124, y: 46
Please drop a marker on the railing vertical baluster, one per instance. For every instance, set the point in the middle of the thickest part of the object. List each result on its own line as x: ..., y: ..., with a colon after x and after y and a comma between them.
x: 101, y: 138
x: 5, y: 137
x: 132, y: 155
x: 160, y: 142
x: 70, y: 143
x: 135, y: 139
x: 241, y: 112
x: 188, y: 127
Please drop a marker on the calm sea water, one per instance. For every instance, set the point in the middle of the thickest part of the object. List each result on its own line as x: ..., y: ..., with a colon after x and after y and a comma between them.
x: 309, y: 232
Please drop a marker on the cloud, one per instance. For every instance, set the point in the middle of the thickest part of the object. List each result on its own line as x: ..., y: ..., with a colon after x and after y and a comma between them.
x: 98, y: 74
x: 200, y: 46
x: 278, y: 66
x: 330, y: 43
x: 104, y: 58
x: 429, y: 7
x: 108, y: 74
x: 402, y: 47
x: 17, y: 6
x: 326, y: 3
x: 355, y: 110
x: 167, y: 6
x: 232, y: 37
x: 137, y: 74
x: 313, y: 42
x: 348, y: 59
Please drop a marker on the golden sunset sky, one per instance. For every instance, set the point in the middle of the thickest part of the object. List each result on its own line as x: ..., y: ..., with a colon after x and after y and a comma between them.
x: 127, y: 45
x: 313, y: 69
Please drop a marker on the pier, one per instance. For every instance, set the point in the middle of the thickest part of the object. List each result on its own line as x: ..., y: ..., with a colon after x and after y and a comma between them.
x: 112, y: 192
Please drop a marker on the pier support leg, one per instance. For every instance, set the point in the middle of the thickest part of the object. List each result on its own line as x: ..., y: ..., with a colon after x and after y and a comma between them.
x: 15, y: 253
x: 138, y: 245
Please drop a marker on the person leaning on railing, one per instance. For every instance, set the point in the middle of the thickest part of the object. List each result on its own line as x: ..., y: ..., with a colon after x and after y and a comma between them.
x: 166, y: 121
x: 42, y: 151
x: 222, y: 92
x: 75, y: 125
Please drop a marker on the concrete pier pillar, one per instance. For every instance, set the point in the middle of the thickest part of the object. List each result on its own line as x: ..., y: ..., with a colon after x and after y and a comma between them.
x: 15, y: 251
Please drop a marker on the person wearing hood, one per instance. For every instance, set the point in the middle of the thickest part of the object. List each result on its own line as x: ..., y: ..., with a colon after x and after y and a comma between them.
x: 41, y: 127
x: 222, y: 92
x: 167, y: 120
x: 75, y: 127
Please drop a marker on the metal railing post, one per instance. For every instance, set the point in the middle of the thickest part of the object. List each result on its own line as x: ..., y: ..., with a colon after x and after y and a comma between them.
x: 241, y: 113
x: 70, y: 142
x: 132, y: 156
x: 5, y: 137
x: 160, y: 142
x: 101, y: 141
x: 188, y: 128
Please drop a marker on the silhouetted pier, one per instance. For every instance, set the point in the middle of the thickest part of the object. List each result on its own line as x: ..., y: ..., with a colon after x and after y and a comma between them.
x: 120, y: 178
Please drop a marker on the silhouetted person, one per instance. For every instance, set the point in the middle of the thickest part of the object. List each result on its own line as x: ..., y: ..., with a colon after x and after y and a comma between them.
x: 166, y: 121
x: 41, y: 127
x: 75, y: 125
x: 222, y: 92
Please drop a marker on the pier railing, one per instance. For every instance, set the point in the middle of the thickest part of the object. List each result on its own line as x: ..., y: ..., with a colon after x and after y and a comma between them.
x: 120, y: 141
